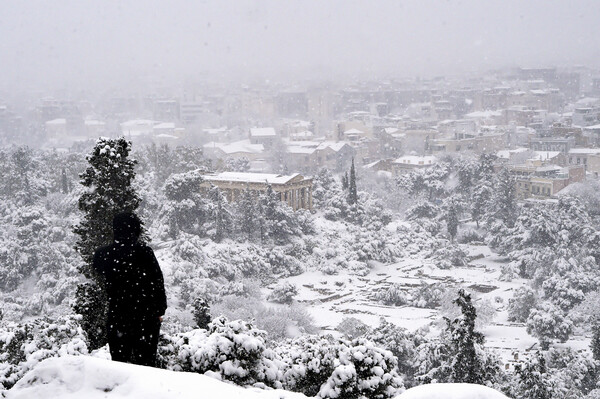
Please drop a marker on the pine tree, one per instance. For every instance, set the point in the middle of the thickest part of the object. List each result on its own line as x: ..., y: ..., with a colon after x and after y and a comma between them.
x: 109, y: 191
x: 466, y: 366
x: 201, y: 313
x: 352, y: 195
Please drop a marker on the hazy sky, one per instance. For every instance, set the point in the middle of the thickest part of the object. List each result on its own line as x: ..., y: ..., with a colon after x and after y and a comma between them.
x: 90, y: 42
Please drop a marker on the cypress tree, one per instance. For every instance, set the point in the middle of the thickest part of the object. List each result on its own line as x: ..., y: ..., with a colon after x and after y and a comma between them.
x: 64, y: 181
x: 504, y: 201
x: 247, y: 215
x: 466, y: 366
x: 107, y: 180
x: 345, y: 181
x: 595, y: 344
x: 220, y: 214
x: 352, y: 196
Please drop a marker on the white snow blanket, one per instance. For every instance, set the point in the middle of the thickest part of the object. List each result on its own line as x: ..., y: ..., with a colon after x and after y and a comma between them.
x: 76, y: 377
x: 451, y: 391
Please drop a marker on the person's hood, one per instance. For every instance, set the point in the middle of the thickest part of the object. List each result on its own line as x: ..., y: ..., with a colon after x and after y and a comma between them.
x: 126, y: 227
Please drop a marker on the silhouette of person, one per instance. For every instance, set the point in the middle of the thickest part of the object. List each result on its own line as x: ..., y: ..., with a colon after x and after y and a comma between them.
x: 135, y: 290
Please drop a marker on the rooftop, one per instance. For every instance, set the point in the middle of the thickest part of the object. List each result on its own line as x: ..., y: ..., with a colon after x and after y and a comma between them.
x: 268, y: 178
x: 263, y: 132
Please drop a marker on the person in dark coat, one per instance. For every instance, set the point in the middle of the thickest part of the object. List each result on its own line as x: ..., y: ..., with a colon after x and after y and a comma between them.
x: 135, y: 290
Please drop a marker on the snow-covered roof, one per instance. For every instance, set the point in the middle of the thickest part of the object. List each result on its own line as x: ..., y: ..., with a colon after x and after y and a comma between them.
x: 215, y: 131
x: 298, y: 149
x: 584, y: 151
x: 58, y: 121
x: 334, y: 145
x: 505, y: 154
x: 390, y: 130
x: 137, y: 122
x: 416, y: 160
x: 243, y: 146
x: 544, y: 155
x: 593, y: 127
x: 166, y: 136
x: 165, y: 125
x: 94, y: 122
x: 548, y: 168
x: 483, y: 114
x: 241, y: 177
x: 354, y: 131
x: 303, y: 134
x: 263, y: 132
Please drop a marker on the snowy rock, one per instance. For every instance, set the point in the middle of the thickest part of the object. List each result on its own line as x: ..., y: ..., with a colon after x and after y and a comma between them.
x: 73, y: 377
x: 451, y: 391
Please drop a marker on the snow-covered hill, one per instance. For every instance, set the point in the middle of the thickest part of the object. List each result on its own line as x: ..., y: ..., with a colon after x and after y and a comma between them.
x: 76, y: 377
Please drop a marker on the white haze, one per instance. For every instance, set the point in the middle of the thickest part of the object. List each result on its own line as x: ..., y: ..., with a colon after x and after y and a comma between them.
x: 108, y: 44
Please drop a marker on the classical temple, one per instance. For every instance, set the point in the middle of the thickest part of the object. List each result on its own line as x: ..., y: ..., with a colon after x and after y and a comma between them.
x: 295, y: 189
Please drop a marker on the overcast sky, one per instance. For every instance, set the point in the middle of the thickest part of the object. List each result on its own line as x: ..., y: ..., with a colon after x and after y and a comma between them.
x: 84, y: 41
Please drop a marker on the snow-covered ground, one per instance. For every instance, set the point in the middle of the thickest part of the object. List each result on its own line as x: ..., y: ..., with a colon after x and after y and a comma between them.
x: 86, y: 377
x: 76, y: 377
x: 331, y: 298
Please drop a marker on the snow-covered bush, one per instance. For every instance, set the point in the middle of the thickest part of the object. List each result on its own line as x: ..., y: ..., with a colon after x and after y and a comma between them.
x: 393, y: 295
x: 449, y: 255
x: 470, y: 236
x: 363, y: 371
x: 22, y: 346
x: 401, y: 343
x: 280, y: 322
x: 283, y: 293
x: 308, y: 362
x: 352, y: 328
x: 233, y: 350
x: 427, y: 296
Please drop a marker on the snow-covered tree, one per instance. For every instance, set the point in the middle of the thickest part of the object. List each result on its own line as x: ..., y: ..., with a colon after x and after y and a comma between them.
x: 452, y: 208
x: 246, y: 214
x: 547, y: 323
x: 401, y: 343
x: 186, y: 208
x: 504, y: 200
x: 533, y: 379
x: 520, y: 305
x: 108, y: 191
x: 352, y: 193
x: 201, y: 311
x: 220, y: 218
x: 480, y: 202
x: 283, y: 293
